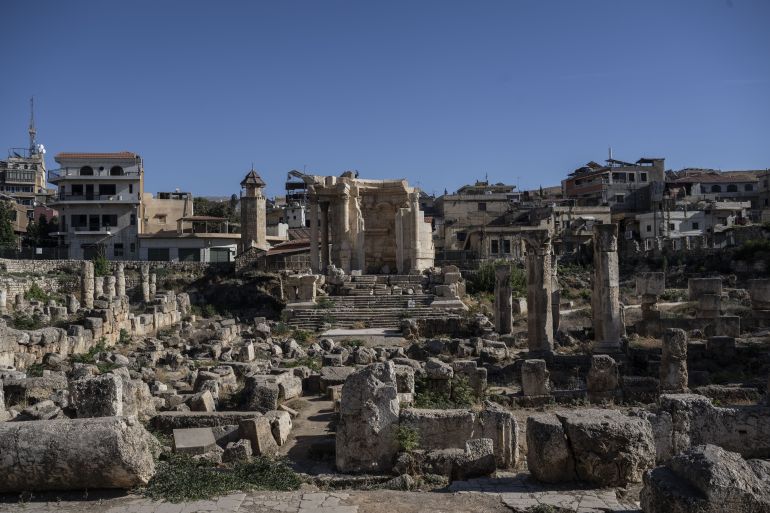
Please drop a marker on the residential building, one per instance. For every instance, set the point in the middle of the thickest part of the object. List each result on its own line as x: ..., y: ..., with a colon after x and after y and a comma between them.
x: 763, y: 199
x: 99, y: 200
x: 705, y: 219
x: 623, y: 186
x: 162, y: 211
x: 22, y: 174
x: 712, y: 185
x: 195, y: 239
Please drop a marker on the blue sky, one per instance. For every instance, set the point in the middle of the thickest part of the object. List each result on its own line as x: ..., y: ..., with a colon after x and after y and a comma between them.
x: 438, y: 92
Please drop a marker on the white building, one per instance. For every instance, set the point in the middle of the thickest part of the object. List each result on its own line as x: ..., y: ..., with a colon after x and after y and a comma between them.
x: 99, y: 200
x: 684, y: 223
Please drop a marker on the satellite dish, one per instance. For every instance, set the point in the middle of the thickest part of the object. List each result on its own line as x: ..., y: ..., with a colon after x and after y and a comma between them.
x: 41, y: 148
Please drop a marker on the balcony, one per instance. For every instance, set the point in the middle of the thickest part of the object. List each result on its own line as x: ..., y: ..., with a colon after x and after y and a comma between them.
x: 88, y: 198
x: 54, y: 175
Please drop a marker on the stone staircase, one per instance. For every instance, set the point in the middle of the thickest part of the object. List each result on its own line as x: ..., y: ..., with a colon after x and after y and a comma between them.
x: 370, y: 311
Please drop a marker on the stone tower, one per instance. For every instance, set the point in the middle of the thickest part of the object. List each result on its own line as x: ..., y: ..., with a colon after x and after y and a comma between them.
x: 253, y: 214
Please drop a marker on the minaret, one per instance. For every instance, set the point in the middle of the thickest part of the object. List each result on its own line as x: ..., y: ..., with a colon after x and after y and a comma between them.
x: 253, y: 213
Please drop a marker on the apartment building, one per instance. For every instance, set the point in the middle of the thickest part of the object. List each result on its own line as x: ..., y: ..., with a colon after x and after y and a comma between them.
x: 99, y: 199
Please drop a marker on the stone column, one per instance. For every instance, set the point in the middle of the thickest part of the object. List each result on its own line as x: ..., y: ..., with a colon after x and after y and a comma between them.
x: 72, y: 304
x: 555, y: 294
x: 324, y: 236
x: 153, y: 284
x: 343, y: 229
x: 145, y: 275
x: 539, y: 283
x: 109, y: 288
x: 602, y: 380
x: 120, y: 279
x: 98, y: 286
x: 673, y: 362
x: 313, y: 214
x: 503, y: 299
x: 605, y: 301
x: 87, y: 283
x: 3, y: 301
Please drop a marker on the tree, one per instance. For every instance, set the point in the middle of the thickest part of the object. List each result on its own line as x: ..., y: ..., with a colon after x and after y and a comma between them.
x: 8, y: 239
x: 39, y: 232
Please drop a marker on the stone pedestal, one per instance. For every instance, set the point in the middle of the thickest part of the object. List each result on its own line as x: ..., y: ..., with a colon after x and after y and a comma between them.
x: 605, y: 301
x: 109, y: 287
x: 539, y: 291
x: 535, y: 378
x: 98, y: 286
x: 602, y: 381
x: 87, y: 283
x: 503, y: 299
x: 673, y: 363
x: 708, y: 293
x: 650, y: 286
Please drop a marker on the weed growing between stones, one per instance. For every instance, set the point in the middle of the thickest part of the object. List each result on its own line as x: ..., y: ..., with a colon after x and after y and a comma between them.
x: 311, y: 362
x: 408, y: 438
x: 461, y: 395
x: 181, y: 478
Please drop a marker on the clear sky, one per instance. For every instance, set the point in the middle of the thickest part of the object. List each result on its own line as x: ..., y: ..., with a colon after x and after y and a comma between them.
x: 439, y: 92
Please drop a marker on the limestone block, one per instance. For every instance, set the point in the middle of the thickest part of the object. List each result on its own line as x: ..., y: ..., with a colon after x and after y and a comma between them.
x: 259, y: 432
x: 194, y: 440
x: 609, y: 448
x: 202, y: 401
x: 260, y: 394
x: 651, y: 283
x: 368, y: 420
x: 535, y: 378
x: 759, y: 291
x: 280, y: 425
x: 97, y: 397
x: 137, y: 399
x: 697, y: 287
x: 602, y: 380
x: 707, y: 479
x: 239, y: 451
x: 673, y: 364
x: 436, y: 369
x: 549, y: 457
x: 77, y: 454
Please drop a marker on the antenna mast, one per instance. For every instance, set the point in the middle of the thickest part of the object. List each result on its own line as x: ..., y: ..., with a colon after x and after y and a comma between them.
x: 32, y: 131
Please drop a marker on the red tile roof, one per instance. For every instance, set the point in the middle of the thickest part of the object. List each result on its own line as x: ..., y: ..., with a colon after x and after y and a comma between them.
x: 118, y: 155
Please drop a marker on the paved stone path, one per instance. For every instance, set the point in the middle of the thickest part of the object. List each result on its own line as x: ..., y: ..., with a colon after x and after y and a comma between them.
x: 519, y: 492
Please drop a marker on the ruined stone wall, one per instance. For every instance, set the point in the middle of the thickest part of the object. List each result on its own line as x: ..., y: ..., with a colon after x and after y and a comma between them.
x: 49, y: 266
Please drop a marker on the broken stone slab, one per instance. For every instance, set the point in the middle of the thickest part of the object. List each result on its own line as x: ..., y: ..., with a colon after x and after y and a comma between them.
x: 334, y: 376
x: 32, y: 390
x: 75, y: 454
x: 239, y: 451
x: 194, y: 440
x: 167, y: 421
x: 707, y: 479
x: 549, y: 457
x: 259, y: 433
x: 260, y: 394
x: 44, y: 410
x: 202, y: 401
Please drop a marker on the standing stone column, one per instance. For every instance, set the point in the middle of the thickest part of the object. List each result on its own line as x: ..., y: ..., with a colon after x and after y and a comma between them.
x: 313, y: 206
x: 555, y: 294
x: 324, y: 236
x: 539, y: 293
x: 503, y: 299
x: 98, y: 286
x: 153, y: 284
x: 144, y: 272
x: 120, y: 279
x: 3, y: 301
x: 72, y: 304
x: 87, y: 283
x: 605, y: 301
x: 109, y: 288
x: 673, y: 363
x: 535, y: 378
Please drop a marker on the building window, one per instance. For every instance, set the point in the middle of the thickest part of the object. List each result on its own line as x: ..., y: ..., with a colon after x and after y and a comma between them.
x: 695, y: 226
x: 133, y: 219
x: 77, y: 189
x: 649, y: 227
x: 117, y: 249
x: 631, y: 177
x: 109, y: 221
x: 716, y: 188
x: 162, y: 218
x: 107, y: 189
x: 507, y: 246
x: 116, y: 171
x: 87, y: 171
x: 642, y: 177
x: 461, y: 236
x: 732, y: 188
x: 482, y: 206
x: 748, y: 187
x: 620, y: 198
x: 495, y: 247
x: 132, y: 247
x: 671, y: 226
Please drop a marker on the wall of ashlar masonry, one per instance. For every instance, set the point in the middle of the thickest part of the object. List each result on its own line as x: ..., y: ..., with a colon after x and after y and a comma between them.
x: 103, y: 323
x: 47, y: 266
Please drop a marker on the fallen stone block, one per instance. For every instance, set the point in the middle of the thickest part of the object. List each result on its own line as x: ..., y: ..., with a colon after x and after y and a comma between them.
x: 280, y: 425
x: 194, y: 441
x: 75, y: 454
x: 259, y: 433
x: 97, y: 397
x: 239, y: 451
x: 168, y: 421
x: 549, y: 457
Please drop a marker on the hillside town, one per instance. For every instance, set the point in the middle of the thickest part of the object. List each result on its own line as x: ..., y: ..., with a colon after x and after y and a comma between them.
x: 356, y: 344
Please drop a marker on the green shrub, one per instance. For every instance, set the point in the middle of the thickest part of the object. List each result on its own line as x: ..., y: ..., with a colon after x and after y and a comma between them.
x: 324, y: 303
x: 301, y: 336
x: 89, y: 357
x: 281, y: 328
x: 124, y: 338
x: 23, y: 321
x: 311, y: 362
x: 101, y: 266
x: 352, y: 343
x: 408, y: 438
x: 35, y: 370
x: 461, y: 395
x: 209, y: 310
x: 180, y: 478
x: 483, y: 280
x: 35, y: 293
